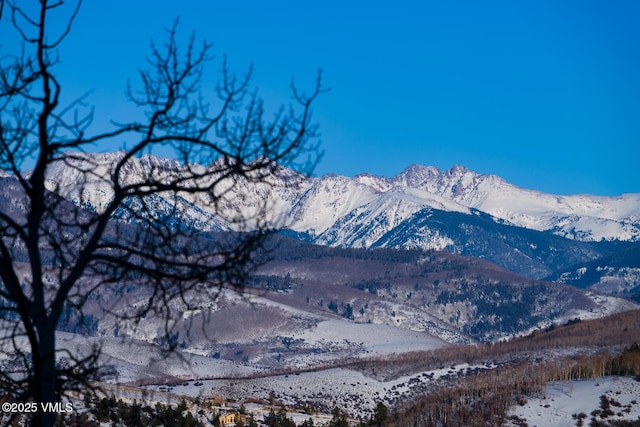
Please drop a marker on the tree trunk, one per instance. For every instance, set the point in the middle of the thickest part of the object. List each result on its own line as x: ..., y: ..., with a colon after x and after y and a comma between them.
x: 44, y: 381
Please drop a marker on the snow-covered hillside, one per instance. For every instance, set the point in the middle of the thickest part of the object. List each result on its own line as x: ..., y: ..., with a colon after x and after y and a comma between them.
x: 618, y: 273
x: 566, y: 402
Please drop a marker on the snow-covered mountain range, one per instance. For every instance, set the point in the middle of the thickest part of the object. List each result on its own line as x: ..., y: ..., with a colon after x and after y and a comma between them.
x: 392, y: 200
x: 422, y: 207
x: 329, y: 207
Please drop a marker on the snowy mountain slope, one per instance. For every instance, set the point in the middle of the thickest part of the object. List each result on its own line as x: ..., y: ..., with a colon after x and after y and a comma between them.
x: 317, y: 205
x: 618, y: 273
x: 528, y: 252
x: 583, y: 217
x: 325, y: 201
x: 477, y: 215
x: 367, y: 223
x: 86, y: 179
x: 367, y: 210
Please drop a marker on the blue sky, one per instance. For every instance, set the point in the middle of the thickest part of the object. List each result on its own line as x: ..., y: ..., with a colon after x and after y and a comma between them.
x: 545, y: 94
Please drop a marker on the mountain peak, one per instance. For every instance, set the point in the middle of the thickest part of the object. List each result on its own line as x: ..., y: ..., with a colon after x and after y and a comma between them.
x: 419, y: 169
x: 416, y: 176
x: 459, y: 169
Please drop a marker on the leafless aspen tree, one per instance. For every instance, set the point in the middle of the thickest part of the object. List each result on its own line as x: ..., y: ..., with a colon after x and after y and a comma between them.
x: 55, y: 255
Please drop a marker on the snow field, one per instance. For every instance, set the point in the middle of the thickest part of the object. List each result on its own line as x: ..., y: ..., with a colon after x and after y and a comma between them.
x: 564, y: 399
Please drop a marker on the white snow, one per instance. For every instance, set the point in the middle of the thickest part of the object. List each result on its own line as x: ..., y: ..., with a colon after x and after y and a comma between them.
x: 340, y: 207
x: 564, y: 399
x: 375, y: 339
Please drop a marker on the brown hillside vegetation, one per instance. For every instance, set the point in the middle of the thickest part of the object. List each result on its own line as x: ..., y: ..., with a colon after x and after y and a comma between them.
x: 579, y: 350
x: 612, y: 330
x: 604, y: 335
x: 484, y: 399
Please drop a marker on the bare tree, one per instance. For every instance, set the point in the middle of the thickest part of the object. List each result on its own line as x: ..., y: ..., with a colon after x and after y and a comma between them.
x: 55, y: 255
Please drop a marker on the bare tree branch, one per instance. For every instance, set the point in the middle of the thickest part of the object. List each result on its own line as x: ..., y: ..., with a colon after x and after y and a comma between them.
x: 58, y: 259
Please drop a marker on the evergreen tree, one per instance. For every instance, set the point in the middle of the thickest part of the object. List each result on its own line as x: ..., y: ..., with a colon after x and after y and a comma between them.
x: 380, y: 415
x: 339, y: 419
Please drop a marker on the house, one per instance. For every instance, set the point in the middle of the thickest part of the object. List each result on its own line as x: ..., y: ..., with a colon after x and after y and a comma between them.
x: 227, y: 419
x: 231, y: 419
